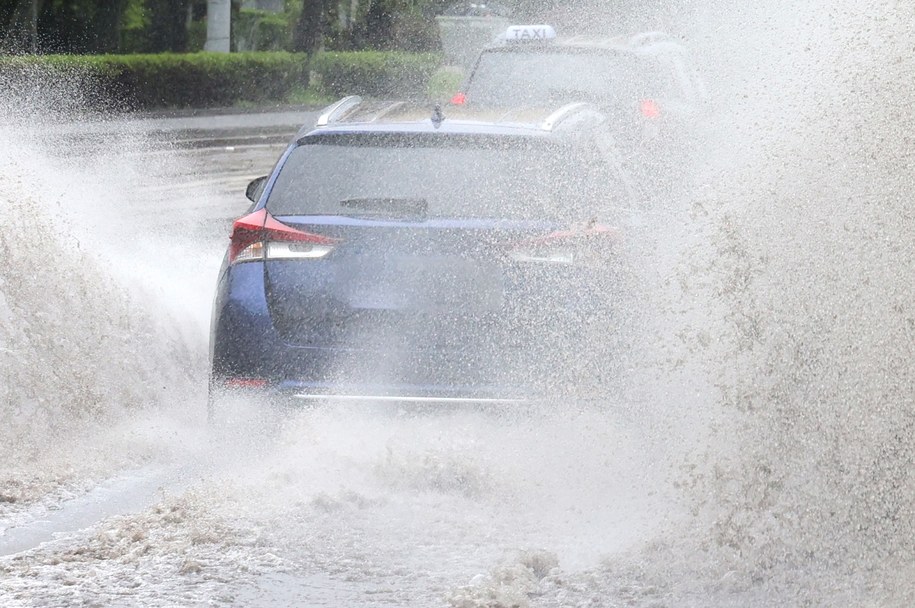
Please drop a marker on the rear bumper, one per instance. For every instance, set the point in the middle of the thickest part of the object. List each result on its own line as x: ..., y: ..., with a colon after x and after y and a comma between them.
x: 247, y: 346
x: 392, y: 392
x: 406, y: 400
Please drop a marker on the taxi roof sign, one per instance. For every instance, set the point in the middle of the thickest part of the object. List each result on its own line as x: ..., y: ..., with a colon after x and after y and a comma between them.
x: 529, y: 33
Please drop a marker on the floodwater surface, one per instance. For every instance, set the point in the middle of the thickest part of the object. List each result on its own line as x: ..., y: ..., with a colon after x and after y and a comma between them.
x: 759, y: 449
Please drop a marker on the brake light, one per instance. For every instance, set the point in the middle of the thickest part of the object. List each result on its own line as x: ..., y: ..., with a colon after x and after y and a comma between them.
x: 649, y: 108
x: 459, y: 99
x: 259, y: 236
x: 587, y: 245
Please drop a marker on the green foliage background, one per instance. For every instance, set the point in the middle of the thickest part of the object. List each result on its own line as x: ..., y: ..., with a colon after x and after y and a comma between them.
x: 375, y: 73
x: 219, y: 79
x: 153, y: 26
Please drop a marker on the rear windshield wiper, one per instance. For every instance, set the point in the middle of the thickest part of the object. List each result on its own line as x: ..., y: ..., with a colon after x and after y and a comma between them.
x: 413, y: 208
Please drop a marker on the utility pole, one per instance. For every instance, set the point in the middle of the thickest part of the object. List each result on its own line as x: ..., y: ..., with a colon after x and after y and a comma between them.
x: 219, y: 26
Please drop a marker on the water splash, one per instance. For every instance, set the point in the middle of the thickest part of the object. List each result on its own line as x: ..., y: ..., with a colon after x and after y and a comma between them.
x: 773, y: 387
x: 84, y: 338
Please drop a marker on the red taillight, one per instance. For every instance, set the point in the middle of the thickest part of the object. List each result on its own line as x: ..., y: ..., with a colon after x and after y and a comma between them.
x: 649, y: 108
x: 260, y: 236
x: 246, y: 231
x: 459, y: 99
x: 578, y: 245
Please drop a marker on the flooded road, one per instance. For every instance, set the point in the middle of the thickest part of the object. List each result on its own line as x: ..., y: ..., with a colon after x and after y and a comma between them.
x: 137, y: 503
x: 759, y: 453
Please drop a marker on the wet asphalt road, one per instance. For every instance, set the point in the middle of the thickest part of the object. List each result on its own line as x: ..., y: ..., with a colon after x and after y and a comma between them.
x: 195, y: 168
x: 200, y: 129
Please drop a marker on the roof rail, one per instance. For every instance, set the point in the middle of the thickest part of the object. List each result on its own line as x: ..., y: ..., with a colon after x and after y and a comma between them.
x: 336, y: 111
x: 553, y: 120
x: 646, y: 38
x: 386, y: 110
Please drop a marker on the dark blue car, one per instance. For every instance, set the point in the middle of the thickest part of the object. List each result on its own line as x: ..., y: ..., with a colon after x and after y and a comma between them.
x: 397, y: 254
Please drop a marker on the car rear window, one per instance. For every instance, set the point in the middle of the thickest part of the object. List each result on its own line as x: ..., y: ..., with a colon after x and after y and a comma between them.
x: 548, y: 77
x: 512, y: 178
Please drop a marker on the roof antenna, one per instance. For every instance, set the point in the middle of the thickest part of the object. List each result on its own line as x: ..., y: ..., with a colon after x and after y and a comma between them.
x: 437, y: 116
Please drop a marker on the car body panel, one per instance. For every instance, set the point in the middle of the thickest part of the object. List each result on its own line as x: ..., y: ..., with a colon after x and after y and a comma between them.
x: 438, y: 307
x: 618, y: 74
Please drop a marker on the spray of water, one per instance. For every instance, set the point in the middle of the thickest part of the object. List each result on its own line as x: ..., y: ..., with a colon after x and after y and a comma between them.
x: 807, y: 275
x: 86, y: 337
x: 760, y: 452
x: 790, y: 294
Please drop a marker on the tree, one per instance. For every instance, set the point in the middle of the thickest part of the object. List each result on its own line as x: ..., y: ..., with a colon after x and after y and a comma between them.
x: 168, y: 21
x: 309, y: 29
x: 17, y: 25
x: 68, y: 26
x: 106, y: 25
x: 405, y: 25
x: 94, y: 26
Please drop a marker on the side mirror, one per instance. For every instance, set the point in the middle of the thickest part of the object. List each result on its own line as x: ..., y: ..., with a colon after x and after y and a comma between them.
x: 255, y: 188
